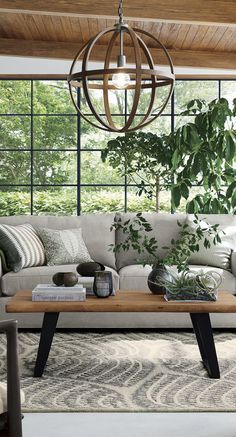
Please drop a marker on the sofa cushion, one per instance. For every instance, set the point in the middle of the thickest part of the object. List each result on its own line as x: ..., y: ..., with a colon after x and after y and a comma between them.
x: 164, y: 227
x: 217, y: 255
x: 134, y: 277
x: 65, y: 246
x: 28, y: 278
x: 95, y: 229
x: 21, y: 246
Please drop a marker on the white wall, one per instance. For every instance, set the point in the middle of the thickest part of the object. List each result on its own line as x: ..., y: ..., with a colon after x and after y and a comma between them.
x: 20, y: 65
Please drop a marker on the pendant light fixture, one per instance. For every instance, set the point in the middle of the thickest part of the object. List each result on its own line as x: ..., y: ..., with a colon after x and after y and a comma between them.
x: 134, y: 78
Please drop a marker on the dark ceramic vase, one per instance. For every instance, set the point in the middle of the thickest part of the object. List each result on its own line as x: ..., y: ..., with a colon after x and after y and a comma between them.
x: 58, y: 278
x: 68, y: 279
x: 159, y: 271
x: 89, y: 268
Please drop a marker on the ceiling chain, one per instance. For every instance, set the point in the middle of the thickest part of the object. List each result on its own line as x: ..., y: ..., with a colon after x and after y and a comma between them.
x: 120, y: 11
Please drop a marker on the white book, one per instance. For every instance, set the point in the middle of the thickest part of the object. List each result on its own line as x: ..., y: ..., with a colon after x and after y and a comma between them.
x: 75, y: 297
x: 51, y: 288
x: 51, y: 292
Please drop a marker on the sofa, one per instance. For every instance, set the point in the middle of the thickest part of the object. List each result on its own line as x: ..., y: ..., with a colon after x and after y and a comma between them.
x: 128, y: 274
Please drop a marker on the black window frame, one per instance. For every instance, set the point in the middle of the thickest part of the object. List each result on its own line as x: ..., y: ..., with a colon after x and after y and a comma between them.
x: 78, y: 185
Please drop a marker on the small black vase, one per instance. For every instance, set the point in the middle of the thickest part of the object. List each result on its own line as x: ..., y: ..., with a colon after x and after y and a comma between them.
x: 159, y: 271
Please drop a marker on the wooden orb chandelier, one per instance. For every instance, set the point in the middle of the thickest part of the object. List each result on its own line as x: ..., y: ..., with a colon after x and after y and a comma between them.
x: 132, y: 81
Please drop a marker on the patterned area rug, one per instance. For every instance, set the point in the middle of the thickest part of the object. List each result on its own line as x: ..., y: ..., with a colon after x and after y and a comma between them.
x: 133, y: 371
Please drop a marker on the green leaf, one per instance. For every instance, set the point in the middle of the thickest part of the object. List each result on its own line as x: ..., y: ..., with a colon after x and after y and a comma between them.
x: 230, y: 146
x: 231, y: 189
x: 184, y: 190
x: 176, y: 195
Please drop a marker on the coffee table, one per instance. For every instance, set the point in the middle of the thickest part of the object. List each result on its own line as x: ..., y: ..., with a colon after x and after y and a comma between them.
x: 127, y: 301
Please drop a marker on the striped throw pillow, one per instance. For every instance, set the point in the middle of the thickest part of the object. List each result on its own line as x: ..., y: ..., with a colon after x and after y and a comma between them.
x: 21, y: 246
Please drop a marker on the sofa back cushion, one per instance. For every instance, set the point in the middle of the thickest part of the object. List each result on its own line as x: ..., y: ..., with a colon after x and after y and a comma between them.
x: 217, y: 255
x: 164, y: 227
x: 95, y: 230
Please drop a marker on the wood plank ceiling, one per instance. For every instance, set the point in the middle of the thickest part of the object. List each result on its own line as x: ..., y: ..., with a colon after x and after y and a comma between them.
x: 57, y: 29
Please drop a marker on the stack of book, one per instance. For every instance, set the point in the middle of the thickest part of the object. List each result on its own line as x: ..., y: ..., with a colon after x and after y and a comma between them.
x: 50, y: 292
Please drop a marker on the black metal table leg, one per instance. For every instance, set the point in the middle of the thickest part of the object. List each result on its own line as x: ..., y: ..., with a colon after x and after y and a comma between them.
x: 203, y: 331
x: 46, y: 337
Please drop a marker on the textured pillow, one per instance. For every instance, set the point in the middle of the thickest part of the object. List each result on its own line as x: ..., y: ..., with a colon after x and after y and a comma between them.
x: 21, y: 246
x: 64, y: 246
x: 217, y: 255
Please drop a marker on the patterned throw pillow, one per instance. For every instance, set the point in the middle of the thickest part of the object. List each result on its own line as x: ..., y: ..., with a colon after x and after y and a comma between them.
x: 64, y: 246
x: 21, y: 246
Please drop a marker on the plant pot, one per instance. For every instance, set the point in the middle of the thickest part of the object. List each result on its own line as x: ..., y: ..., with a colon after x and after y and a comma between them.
x: 158, y: 272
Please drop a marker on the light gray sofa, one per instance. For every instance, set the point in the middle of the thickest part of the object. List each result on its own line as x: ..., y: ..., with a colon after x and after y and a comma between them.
x: 127, y: 274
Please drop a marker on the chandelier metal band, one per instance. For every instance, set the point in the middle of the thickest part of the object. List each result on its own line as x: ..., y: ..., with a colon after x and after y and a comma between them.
x: 143, y: 76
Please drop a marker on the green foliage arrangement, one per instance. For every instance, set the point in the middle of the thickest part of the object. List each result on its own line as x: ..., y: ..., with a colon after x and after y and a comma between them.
x: 184, y: 285
x: 137, y: 229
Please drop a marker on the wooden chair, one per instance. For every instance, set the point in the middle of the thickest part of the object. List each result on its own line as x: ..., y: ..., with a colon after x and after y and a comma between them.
x: 10, y: 417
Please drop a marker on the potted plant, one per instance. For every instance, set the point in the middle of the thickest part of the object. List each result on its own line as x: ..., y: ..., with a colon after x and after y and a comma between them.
x: 181, y: 285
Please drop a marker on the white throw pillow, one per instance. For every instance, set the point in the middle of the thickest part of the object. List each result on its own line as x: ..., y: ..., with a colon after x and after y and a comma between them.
x: 64, y: 246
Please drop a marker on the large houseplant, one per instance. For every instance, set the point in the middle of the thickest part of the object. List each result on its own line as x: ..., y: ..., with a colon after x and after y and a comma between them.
x: 199, y: 153
x: 184, y: 284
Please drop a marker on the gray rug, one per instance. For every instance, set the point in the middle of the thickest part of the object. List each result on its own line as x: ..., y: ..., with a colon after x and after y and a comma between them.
x: 142, y: 371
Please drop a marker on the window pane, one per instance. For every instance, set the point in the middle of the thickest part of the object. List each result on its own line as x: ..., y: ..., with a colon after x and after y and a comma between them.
x: 94, y: 171
x: 180, y: 120
x: 185, y: 91
x: 15, y: 97
x: 55, y: 168
x: 144, y: 101
x: 102, y: 199
x: 55, y: 132
x: 141, y: 203
x: 14, y: 201
x: 87, y: 128
x: 228, y: 90
x: 116, y: 101
x: 15, y: 132
x: 52, y: 97
x: 92, y: 138
x: 55, y: 201
x: 15, y: 167
x: 194, y: 191
x: 162, y: 125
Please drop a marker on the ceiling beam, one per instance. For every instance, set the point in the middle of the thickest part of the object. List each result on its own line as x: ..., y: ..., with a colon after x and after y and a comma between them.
x: 217, y: 12
x: 63, y: 50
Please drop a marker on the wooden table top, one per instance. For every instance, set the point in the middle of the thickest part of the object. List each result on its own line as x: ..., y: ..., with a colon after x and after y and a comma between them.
x: 124, y: 301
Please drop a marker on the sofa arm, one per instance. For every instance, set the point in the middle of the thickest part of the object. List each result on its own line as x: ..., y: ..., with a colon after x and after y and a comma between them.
x: 233, y: 262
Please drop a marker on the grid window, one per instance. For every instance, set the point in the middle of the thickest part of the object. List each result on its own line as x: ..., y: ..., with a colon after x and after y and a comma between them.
x: 50, y: 158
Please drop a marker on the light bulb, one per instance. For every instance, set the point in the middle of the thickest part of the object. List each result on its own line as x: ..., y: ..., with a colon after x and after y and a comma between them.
x: 120, y: 80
